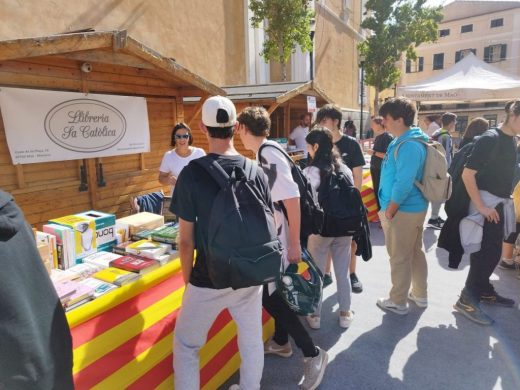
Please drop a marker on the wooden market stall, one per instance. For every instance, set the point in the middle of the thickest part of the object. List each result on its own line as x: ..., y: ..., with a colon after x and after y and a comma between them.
x: 285, y: 102
x: 117, y: 64
x: 124, y: 338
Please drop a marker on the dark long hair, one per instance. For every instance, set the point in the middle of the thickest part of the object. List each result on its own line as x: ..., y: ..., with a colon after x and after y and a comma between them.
x: 326, y: 158
x: 179, y: 126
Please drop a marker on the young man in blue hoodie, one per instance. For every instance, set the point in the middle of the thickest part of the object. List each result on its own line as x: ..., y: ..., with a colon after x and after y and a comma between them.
x: 403, y: 207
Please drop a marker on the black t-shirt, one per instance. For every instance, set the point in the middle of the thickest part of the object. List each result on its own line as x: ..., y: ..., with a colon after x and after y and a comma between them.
x: 381, y: 143
x: 495, y: 164
x: 350, y: 152
x: 192, y: 201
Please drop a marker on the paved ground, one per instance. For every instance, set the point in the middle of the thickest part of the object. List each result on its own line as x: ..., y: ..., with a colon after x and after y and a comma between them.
x: 433, y: 348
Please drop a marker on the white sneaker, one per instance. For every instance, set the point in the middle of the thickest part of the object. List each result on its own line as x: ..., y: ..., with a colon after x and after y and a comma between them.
x: 314, y: 368
x: 421, y: 302
x: 387, y: 304
x: 345, y: 321
x: 314, y: 321
x: 271, y: 347
x: 234, y: 387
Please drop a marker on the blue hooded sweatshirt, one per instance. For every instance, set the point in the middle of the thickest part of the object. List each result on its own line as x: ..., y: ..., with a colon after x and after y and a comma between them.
x: 398, y: 175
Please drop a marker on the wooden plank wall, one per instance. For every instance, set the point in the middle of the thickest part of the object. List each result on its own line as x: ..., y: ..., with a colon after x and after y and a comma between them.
x: 48, y: 190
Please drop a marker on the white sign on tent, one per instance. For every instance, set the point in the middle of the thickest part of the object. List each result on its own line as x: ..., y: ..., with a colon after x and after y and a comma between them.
x: 470, y: 79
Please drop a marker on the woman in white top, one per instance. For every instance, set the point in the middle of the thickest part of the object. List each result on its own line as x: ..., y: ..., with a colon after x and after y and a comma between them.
x: 176, y: 159
x: 325, y: 160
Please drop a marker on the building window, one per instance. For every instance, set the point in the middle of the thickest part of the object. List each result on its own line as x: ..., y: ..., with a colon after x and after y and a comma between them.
x: 461, y: 124
x: 495, y: 53
x: 438, y: 61
x: 460, y: 54
x: 491, y: 104
x: 436, y: 107
x: 462, y: 105
x: 497, y: 22
x: 492, y: 119
x: 444, y: 32
x: 415, y: 66
x: 466, y: 28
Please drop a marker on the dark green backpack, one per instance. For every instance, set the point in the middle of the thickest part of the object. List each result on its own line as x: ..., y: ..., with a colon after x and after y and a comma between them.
x: 301, y: 291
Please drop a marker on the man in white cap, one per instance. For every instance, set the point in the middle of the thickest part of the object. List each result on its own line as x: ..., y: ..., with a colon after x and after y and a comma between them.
x: 193, y: 198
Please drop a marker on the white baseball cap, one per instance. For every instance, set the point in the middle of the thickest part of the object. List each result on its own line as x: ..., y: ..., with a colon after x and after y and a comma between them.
x: 210, y: 110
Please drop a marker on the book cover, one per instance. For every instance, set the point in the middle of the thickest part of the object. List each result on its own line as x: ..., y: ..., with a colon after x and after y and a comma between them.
x: 65, y: 289
x: 82, y: 292
x: 116, y: 276
x: 105, y: 227
x: 121, y: 248
x: 51, y: 241
x: 100, y: 287
x: 68, y: 307
x: 62, y: 243
x: 150, y: 249
x: 166, y: 234
x: 82, y: 271
x: 101, y: 259
x: 84, y: 238
x: 140, y: 265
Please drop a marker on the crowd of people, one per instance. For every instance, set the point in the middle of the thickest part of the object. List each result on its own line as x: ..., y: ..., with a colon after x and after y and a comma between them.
x: 481, y: 222
x: 398, y: 158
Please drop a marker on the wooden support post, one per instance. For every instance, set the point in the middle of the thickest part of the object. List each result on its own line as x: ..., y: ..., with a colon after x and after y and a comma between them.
x: 19, y: 176
x: 272, y: 107
x: 197, y: 110
x: 92, y: 181
x: 287, y: 120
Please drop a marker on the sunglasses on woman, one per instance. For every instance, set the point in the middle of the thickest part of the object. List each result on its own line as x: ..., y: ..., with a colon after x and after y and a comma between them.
x: 182, y: 136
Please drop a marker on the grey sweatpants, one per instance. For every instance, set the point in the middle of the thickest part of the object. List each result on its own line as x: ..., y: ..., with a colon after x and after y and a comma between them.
x: 339, y: 247
x: 200, y: 307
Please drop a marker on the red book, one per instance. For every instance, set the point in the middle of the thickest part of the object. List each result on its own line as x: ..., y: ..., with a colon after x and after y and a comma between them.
x: 137, y: 264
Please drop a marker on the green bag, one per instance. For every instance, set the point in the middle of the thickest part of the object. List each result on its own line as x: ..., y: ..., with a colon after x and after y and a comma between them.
x: 301, y: 291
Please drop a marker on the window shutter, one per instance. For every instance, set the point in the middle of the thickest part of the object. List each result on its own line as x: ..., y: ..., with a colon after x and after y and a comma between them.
x: 457, y: 56
x: 421, y: 64
x: 408, y: 66
x: 503, y: 52
x: 487, y: 50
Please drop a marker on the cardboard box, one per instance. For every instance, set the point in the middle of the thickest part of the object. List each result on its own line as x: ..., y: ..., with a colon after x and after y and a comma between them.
x: 141, y: 221
x: 105, y: 227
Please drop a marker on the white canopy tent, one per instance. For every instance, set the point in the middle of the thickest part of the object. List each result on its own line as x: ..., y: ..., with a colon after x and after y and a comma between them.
x: 468, y: 80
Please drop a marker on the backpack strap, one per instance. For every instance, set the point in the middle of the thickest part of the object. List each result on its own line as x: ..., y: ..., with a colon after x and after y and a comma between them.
x: 265, y: 145
x: 250, y: 169
x: 215, y: 171
x: 406, y: 140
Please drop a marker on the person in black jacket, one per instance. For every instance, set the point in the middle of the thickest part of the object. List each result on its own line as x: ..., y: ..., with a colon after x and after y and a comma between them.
x: 35, y: 340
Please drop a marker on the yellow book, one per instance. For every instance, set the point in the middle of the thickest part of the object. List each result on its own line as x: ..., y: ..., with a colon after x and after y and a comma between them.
x: 116, y: 276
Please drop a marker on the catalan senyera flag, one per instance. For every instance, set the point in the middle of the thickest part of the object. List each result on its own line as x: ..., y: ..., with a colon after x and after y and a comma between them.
x: 368, y: 196
x: 124, y: 339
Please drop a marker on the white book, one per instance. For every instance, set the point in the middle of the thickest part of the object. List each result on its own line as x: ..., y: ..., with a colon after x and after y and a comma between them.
x: 84, y: 270
x: 101, y: 259
x: 100, y: 287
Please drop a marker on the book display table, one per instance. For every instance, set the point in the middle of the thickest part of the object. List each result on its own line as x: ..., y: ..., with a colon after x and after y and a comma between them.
x: 124, y: 338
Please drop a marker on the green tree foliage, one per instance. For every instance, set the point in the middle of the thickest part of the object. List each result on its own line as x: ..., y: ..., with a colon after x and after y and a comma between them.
x: 396, y: 27
x: 288, y: 24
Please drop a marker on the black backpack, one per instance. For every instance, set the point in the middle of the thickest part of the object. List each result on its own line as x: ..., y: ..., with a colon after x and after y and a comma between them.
x: 458, y: 203
x: 343, y: 206
x: 311, y: 212
x: 242, y: 248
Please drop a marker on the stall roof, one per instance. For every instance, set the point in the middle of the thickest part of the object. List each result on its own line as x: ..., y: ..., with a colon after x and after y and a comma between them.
x: 470, y: 79
x: 115, y: 47
x: 276, y: 92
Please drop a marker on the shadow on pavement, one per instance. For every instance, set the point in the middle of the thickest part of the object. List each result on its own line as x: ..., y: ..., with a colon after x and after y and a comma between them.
x: 365, y: 364
x: 465, y: 356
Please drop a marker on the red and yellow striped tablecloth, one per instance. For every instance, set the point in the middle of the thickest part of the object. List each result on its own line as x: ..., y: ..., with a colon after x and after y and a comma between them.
x: 369, y: 199
x: 124, y: 339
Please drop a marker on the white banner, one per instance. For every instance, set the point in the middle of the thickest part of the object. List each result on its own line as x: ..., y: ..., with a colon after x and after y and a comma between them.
x: 43, y: 126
